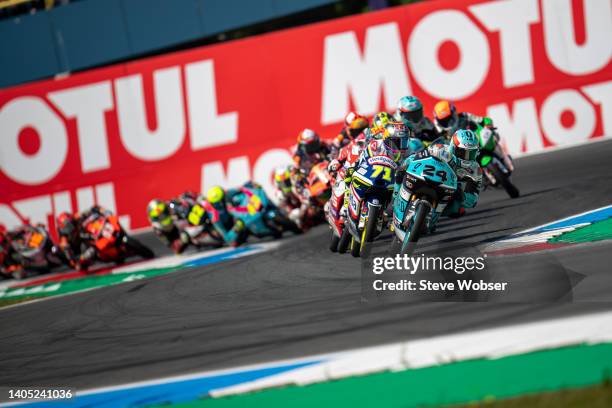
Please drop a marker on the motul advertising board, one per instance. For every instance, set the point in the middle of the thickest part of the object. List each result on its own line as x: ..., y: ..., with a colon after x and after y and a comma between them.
x: 223, y: 114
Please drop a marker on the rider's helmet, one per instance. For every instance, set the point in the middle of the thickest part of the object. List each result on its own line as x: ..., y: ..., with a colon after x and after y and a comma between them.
x: 445, y: 115
x: 397, y: 134
x: 361, y: 140
x: 309, y: 141
x: 409, y: 110
x: 386, y: 145
x: 381, y: 119
x: 355, y: 124
x: 464, y: 145
x: 216, y: 197
x: 67, y: 226
x: 159, y: 215
x: 282, y: 179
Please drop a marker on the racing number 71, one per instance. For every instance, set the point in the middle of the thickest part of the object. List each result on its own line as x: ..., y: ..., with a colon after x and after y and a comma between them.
x: 379, y: 169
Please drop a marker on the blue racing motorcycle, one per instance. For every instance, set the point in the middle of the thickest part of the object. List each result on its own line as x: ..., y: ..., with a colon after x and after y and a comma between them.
x: 427, y: 187
x: 260, y: 216
x: 370, y: 191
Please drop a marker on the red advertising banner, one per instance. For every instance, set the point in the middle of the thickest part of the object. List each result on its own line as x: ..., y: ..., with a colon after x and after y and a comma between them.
x: 222, y: 114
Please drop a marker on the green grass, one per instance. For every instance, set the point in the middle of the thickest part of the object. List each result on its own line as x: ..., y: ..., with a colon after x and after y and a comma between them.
x: 599, y: 396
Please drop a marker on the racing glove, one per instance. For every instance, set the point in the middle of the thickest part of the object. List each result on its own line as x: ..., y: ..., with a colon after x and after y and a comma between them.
x: 348, y: 176
x: 333, y: 166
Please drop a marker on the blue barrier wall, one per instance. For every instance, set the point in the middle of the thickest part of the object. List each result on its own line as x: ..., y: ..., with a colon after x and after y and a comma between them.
x: 88, y: 33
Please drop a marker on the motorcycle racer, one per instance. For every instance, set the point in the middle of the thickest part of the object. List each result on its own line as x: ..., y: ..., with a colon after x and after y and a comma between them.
x: 447, y: 121
x: 410, y: 112
x: 70, y: 237
x: 232, y: 230
x: 385, y: 144
x: 8, y: 258
x: 354, y: 125
x: 74, y: 240
x: 288, y: 200
x: 461, y: 154
x: 309, y: 151
x: 163, y: 221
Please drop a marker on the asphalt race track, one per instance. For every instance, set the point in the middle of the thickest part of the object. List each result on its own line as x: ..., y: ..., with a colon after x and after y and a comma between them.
x: 300, y: 299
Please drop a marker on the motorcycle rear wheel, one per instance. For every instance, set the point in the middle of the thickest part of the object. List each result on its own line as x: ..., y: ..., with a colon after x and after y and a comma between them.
x: 333, y: 242
x: 505, y: 182
x: 345, y: 240
x: 139, y: 248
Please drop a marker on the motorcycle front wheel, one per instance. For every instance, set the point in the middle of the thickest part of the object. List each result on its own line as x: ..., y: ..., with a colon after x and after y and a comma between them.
x: 414, y: 231
x: 370, y: 228
x: 138, y: 248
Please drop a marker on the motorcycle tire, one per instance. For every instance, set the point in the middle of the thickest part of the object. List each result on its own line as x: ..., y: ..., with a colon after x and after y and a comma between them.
x: 333, y: 242
x: 355, y: 248
x: 369, y: 232
x: 505, y: 182
x: 286, y: 224
x: 411, y: 239
x: 139, y: 248
x: 345, y: 240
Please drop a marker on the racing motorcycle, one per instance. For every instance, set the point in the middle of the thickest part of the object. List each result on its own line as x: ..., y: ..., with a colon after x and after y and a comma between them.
x: 199, y: 229
x: 333, y: 207
x: 428, y: 185
x: 259, y: 215
x: 333, y: 211
x: 496, y: 172
x: 34, y: 251
x: 318, y: 182
x: 369, y: 194
x: 112, y: 243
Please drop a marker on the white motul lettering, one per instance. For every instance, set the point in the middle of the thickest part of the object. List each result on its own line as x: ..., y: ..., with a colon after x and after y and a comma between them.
x: 238, y: 172
x: 561, y: 47
x: 87, y: 105
x: 43, y: 165
x: 511, y: 18
x: 8, y: 217
x: 567, y: 100
x: 36, y: 210
x: 349, y: 73
x: 519, y: 130
x: 601, y: 94
x: 138, y: 139
x: 207, y: 127
x: 428, y: 35
x: 85, y: 198
x: 61, y: 203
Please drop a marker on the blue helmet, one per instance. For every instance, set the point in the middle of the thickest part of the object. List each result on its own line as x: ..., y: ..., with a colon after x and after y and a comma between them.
x: 409, y: 110
x: 464, y: 145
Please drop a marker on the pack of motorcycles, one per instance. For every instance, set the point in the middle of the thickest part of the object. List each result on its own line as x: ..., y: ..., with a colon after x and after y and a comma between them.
x: 357, y: 210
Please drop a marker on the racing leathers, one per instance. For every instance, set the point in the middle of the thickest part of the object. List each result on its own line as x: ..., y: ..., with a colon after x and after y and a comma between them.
x: 77, y: 245
x: 232, y: 230
x: 171, y: 227
x: 463, y: 120
x: 424, y: 129
x: 469, y: 180
x: 303, y: 160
